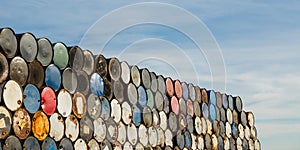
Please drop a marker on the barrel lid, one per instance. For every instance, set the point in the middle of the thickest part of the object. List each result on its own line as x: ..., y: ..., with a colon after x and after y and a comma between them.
x: 5, y: 122
x: 160, y: 137
x: 209, y: 127
x: 143, y: 134
x: 225, y: 101
x: 200, y: 144
x: 182, y: 104
x: 219, y: 99
x: 12, y: 95
x: 86, y: 128
x: 45, y: 51
x: 212, y: 97
x: 153, y: 137
x: 241, y: 131
x: 226, y: 143
x: 114, y: 69
x: 163, y: 120
x: 234, y: 130
x: 66, y: 143
x: 253, y: 133
x: 257, y: 144
x: 169, y: 87
x: 132, y: 94
x: 53, y: 77
x: 132, y: 134
x: 243, y: 118
x: 166, y: 104
x: 159, y: 101
x: 99, y: 129
x: 83, y: 82
x: 101, y: 65
x: 105, y: 108
x: 204, y: 125
x: 125, y: 72
x: 28, y: 47
x: 251, y: 144
x: 207, y: 139
x: 31, y: 143
x: 18, y: 70
x: 197, y: 108
x: 76, y: 58
x: 205, y: 111
x: 108, y: 89
x: 150, y: 97
x: 147, y: 116
x: 230, y: 102
x: 182, y: 122
x: 126, y: 113
x: 64, y: 103
x: 161, y: 84
x: 94, y: 106
x: 8, y: 42
x: 235, y: 116
x: 175, y: 105
x: 72, y: 127
x: 228, y: 129
x: 188, y: 139
x: 97, y: 84
x: 32, y: 98
x: 154, y: 82
x: 155, y: 116
x: 112, y: 130
x: 136, y: 116
x: 173, y: 122
x: 192, y: 92
x: 223, y: 115
x: 21, y: 123
x: 122, y: 133
x: 116, y: 111
x: 146, y: 79
x: 212, y: 112
x: 198, y: 125
x: 139, y: 146
x: 93, y: 145
x: 36, y: 73
x: 239, y: 143
x: 60, y: 55
x: 80, y: 144
x: 118, y: 89
x: 180, y: 139
x: 214, y: 142
x: 250, y: 117
x: 69, y: 80
x: 89, y: 62
x: 204, y: 96
x: 185, y: 91
x: 142, y: 96
x: 169, y: 138
x: 12, y: 142
x: 190, y: 123
x: 3, y: 68
x: 48, y: 100
x: 79, y: 105
x: 135, y: 75
x: 57, y: 126
x: 229, y: 116
x: 190, y: 107
x: 128, y: 146
x: 178, y: 89
x: 40, y: 125
x: 222, y: 128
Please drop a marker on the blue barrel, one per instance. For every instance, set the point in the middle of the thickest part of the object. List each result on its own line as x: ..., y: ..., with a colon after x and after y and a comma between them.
x: 49, y: 144
x: 137, y: 116
x: 212, y: 112
x: 205, y: 110
x: 224, y: 101
x: 97, y: 84
x: 142, y: 96
x: 31, y: 143
x: 53, y: 77
x: 32, y: 98
x: 188, y: 139
x: 105, y: 110
x: 212, y: 97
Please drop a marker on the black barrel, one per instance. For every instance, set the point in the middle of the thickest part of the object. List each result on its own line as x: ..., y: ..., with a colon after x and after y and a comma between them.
x: 36, y: 74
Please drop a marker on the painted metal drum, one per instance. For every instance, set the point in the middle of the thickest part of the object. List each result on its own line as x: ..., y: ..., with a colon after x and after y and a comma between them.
x: 12, y: 143
x: 126, y: 113
x: 200, y: 144
x: 169, y: 138
x: 154, y: 84
x: 216, y: 128
x: 83, y: 82
x: 89, y: 62
x: 212, y: 112
x: 150, y: 96
x: 198, y: 125
x: 175, y: 105
x: 132, y: 134
x: 204, y: 96
x: 118, y: 90
x: 142, y: 97
x: 173, y: 123
x: 205, y: 111
x: 178, y: 89
x: 251, y: 120
x: 105, y: 108
x: 69, y: 80
x: 45, y: 51
x: 32, y: 98
x: 187, y: 139
x: 127, y: 146
x: 66, y: 144
x: 182, y: 122
x: 190, y: 108
x: 48, y: 144
x: 99, y: 129
x: 182, y: 104
x: 160, y: 137
x: 161, y: 84
x: 235, y: 116
x: 122, y: 133
x: 108, y: 89
x: 192, y: 92
x: 72, y: 128
x: 18, y: 70
x: 112, y: 131
x: 166, y: 104
x: 222, y: 128
x: 212, y: 97
x: 5, y: 122
x: 40, y: 125
x: 60, y: 55
x: 204, y: 125
x: 3, y: 68
x: 136, y: 116
x: 190, y: 123
x: 155, y: 116
x: 219, y: 100
x: 101, y: 65
x: 76, y: 58
x: 57, y: 127
x: 125, y: 72
x: 147, y: 116
x: 94, y: 106
x: 132, y: 94
x: 223, y: 115
x: 48, y: 101
x: 230, y: 102
x: 12, y: 95
x: 31, y: 143
x: 64, y: 103
x: 185, y: 91
x: 28, y: 47
x: 234, y: 130
x: 21, y: 123
x: 220, y: 143
x: 197, y: 108
x: 36, y: 74
x: 241, y: 131
x: 86, y: 128
x: 97, y: 84
x: 228, y: 129
x: 239, y: 144
x: 170, y: 87
x: 53, y: 77
x: 153, y: 137
x: 93, y: 145
x: 8, y: 42
x: 209, y: 127
x: 207, y: 139
x: 225, y: 101
x: 229, y: 116
x: 135, y: 76
x: 114, y: 69
x: 146, y: 78
x: 143, y: 135
x: 116, y: 111
x: 79, y: 105
x: 159, y: 101
x: 198, y: 94
x: 163, y: 120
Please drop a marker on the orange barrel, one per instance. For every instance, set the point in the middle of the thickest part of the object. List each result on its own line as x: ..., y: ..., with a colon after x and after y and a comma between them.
x: 146, y: 78
x: 12, y: 95
x: 36, y: 74
x: 89, y: 62
x: 21, y: 123
x: 40, y: 125
x: 83, y: 82
x: 3, y: 68
x: 86, y: 128
x: 76, y: 58
x: 118, y: 90
x: 79, y: 105
x: 101, y: 65
x: 12, y: 142
x: 114, y: 69
x: 72, y: 127
x: 57, y: 126
x: 28, y: 46
x: 18, y: 70
x: 100, y: 129
x: 5, y: 115
x: 135, y: 76
x: 178, y: 89
x: 8, y: 42
x: 170, y: 87
x: 45, y: 51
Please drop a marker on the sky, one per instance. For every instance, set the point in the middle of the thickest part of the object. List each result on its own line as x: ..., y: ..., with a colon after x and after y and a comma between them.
x: 249, y: 48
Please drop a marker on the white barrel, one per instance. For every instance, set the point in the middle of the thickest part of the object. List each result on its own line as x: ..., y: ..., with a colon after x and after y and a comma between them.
x: 99, y: 129
x: 12, y: 95
x: 57, y: 126
x: 64, y: 103
x: 143, y: 134
x: 72, y: 128
x: 116, y: 112
x: 132, y: 134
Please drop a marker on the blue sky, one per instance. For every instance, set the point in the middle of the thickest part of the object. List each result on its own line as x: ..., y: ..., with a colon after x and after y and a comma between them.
x: 259, y: 42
